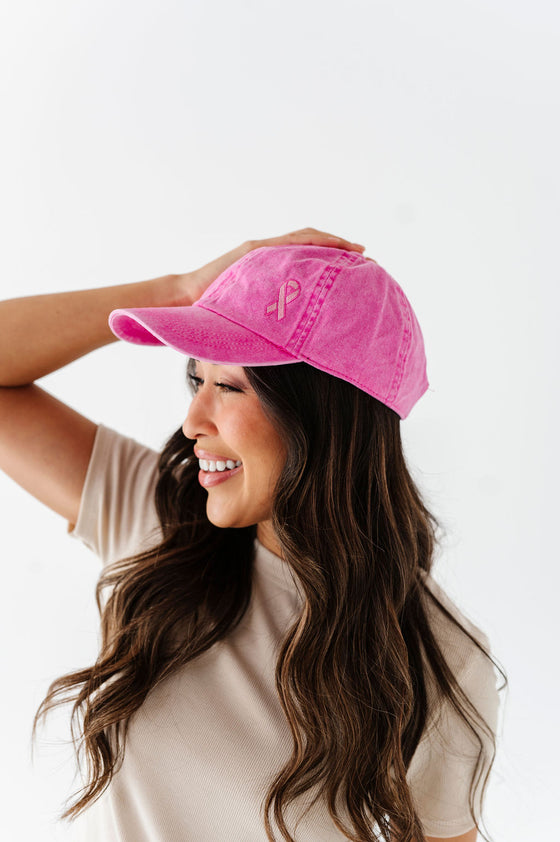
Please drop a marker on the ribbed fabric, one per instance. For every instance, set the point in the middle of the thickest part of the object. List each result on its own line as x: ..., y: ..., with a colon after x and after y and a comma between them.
x: 203, y: 748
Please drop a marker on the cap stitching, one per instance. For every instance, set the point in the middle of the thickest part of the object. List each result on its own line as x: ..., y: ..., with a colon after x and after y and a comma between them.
x: 403, y: 350
x: 322, y: 286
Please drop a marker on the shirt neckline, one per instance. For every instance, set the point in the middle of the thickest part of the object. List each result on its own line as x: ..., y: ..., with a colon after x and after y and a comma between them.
x: 272, y: 567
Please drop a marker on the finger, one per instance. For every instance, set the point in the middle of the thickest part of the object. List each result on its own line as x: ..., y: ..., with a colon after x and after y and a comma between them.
x: 309, y: 235
x: 312, y: 237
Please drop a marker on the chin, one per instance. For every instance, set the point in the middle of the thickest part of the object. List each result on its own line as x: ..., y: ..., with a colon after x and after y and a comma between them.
x: 222, y: 520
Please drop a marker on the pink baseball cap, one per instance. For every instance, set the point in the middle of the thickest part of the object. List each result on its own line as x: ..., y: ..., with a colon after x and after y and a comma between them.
x: 328, y: 307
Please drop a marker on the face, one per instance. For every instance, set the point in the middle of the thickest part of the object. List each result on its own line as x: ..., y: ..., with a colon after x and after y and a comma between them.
x: 228, y: 422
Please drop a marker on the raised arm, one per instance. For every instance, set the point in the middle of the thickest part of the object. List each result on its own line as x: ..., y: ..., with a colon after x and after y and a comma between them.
x: 45, y: 445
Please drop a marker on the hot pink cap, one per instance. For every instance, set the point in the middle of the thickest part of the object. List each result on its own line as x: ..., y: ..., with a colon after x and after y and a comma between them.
x: 331, y: 308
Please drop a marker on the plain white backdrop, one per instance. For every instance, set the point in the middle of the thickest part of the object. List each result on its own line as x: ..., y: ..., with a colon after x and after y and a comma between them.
x: 142, y: 138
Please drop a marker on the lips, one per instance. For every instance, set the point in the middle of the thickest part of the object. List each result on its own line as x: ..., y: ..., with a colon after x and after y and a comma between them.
x: 209, y: 479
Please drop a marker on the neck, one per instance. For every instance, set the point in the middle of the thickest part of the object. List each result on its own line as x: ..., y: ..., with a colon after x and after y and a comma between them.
x: 267, y: 537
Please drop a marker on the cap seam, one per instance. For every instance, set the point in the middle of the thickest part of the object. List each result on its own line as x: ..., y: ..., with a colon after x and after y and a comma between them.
x: 403, y: 350
x: 322, y: 286
x: 250, y: 330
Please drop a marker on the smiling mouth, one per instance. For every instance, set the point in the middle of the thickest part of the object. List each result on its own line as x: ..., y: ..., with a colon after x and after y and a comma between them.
x: 210, y: 478
x: 218, y: 465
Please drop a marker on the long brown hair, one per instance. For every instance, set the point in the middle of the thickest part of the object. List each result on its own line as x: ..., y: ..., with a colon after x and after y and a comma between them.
x: 359, y: 673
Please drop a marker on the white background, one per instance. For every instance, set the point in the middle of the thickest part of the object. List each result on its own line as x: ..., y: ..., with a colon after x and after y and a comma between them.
x: 141, y: 138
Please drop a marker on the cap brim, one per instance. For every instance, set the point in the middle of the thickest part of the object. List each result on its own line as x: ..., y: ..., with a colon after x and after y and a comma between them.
x: 198, y: 333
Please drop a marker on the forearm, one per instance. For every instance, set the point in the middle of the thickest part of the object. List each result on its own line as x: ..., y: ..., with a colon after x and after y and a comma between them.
x: 41, y: 333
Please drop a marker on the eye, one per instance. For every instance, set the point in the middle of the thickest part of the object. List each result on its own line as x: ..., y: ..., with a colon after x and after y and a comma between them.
x: 196, y: 381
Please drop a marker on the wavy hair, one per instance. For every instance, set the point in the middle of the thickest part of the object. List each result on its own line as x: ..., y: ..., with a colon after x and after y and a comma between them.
x: 359, y: 674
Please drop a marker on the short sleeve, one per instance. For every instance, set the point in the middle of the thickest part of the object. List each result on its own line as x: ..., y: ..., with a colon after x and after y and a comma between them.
x: 446, y: 757
x: 117, y: 515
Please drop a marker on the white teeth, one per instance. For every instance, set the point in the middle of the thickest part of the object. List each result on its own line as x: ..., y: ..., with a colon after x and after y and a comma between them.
x: 218, y: 465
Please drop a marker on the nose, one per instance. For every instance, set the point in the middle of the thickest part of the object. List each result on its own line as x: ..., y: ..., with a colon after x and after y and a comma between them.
x: 199, y: 419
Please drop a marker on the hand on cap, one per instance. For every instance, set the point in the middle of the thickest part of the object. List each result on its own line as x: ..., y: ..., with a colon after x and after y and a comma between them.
x: 307, y: 237
x: 190, y: 286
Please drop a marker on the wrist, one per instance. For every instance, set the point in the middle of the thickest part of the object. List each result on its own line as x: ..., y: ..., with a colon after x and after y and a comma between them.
x: 172, y: 290
x: 184, y: 289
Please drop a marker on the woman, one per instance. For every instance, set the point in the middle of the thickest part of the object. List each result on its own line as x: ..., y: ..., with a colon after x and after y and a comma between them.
x: 276, y: 660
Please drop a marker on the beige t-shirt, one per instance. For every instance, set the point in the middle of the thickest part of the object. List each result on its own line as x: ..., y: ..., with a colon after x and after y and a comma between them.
x: 206, y: 743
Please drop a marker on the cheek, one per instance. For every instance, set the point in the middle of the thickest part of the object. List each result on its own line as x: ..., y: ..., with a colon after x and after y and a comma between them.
x: 257, y: 442
x: 275, y: 457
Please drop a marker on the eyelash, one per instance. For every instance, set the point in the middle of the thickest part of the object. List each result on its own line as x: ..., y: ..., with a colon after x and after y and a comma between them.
x: 196, y: 381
